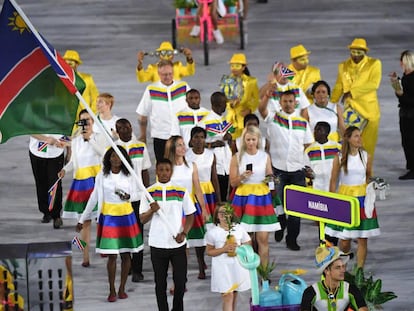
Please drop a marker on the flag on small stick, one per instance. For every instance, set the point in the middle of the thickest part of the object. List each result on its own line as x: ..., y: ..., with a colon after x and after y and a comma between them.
x: 80, y: 244
x: 52, y: 194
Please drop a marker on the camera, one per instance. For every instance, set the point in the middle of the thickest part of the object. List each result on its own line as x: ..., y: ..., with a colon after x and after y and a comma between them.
x: 82, y: 123
x: 122, y: 194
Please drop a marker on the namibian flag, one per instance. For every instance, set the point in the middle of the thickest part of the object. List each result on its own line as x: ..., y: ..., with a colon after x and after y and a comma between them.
x: 52, y: 194
x: 37, y: 87
x: 80, y: 244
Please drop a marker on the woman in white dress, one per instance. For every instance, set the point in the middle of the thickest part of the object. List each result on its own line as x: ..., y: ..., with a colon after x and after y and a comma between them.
x: 228, y: 277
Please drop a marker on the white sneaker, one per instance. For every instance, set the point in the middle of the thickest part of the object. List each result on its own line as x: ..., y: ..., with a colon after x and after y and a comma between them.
x: 195, y: 31
x: 218, y: 36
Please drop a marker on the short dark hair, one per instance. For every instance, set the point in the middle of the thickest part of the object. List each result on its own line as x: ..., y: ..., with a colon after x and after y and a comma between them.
x: 248, y: 117
x: 287, y: 93
x: 190, y: 91
x: 196, y: 130
x: 216, y: 97
x: 163, y: 161
x: 325, y: 125
x: 319, y: 83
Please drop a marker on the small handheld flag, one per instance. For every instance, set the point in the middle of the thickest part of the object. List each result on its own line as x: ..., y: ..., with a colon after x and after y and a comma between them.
x: 80, y: 244
x: 52, y: 194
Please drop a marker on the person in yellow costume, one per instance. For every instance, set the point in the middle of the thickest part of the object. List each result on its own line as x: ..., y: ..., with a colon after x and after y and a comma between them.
x: 357, y: 83
x: 305, y: 74
x: 247, y: 100
x: 91, y: 91
x: 166, y: 52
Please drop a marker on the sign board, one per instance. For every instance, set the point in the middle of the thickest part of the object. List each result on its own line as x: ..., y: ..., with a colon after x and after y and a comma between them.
x: 322, y: 206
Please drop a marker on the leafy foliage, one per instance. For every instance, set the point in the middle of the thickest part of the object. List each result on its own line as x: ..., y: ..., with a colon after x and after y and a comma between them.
x: 265, y: 271
x: 370, y: 289
x: 185, y: 4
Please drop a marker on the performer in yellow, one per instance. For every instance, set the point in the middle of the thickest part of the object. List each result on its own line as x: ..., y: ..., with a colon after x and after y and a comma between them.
x: 166, y: 52
x: 305, y: 74
x: 357, y: 83
x: 91, y: 91
x: 242, y: 100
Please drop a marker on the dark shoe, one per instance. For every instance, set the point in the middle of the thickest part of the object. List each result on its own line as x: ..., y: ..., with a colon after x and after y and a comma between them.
x: 85, y: 264
x: 137, y: 277
x: 293, y: 246
x: 46, y: 219
x: 279, y: 235
x: 57, y: 223
x: 409, y: 175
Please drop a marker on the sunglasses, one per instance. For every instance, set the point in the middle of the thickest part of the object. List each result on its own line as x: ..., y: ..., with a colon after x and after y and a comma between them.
x: 357, y: 52
x: 236, y: 66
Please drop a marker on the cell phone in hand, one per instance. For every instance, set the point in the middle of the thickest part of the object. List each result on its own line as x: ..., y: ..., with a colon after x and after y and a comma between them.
x: 249, y: 167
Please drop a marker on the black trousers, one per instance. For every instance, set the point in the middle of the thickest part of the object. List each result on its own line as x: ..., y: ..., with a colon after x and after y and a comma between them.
x: 137, y: 258
x: 224, y: 187
x: 290, y: 178
x: 407, y: 139
x: 159, y: 148
x: 45, y: 172
x: 161, y: 257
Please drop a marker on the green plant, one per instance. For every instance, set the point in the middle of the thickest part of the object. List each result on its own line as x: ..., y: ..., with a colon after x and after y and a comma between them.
x: 185, y: 4
x: 264, y: 271
x: 370, y: 289
x: 230, y: 2
x: 229, y: 216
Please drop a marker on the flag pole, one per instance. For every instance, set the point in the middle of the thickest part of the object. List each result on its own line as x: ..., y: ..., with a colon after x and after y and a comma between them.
x: 88, y: 108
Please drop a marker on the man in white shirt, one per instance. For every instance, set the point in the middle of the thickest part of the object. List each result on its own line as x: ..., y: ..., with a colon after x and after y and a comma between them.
x: 173, y: 202
x: 289, y: 135
x: 160, y: 103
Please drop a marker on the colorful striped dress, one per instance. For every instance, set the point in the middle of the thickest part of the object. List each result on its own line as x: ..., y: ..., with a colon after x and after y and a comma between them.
x: 252, y: 200
x: 204, y: 163
x: 353, y: 184
x: 183, y: 176
x: 85, y: 163
x: 117, y: 228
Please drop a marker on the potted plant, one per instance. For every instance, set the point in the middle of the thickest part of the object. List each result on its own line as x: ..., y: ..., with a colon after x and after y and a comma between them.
x: 183, y: 5
x: 370, y: 289
x: 231, y: 5
x: 229, y: 217
x: 264, y: 271
x: 268, y: 297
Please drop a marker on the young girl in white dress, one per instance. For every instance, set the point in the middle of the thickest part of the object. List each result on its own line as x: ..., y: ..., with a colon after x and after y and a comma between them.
x: 228, y: 277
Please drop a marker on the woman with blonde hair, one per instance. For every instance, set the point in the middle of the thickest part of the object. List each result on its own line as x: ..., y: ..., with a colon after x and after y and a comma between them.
x: 252, y: 200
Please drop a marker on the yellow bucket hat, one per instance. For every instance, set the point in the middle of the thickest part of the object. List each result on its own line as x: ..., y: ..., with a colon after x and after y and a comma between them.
x: 298, y: 51
x: 72, y: 55
x: 165, y: 46
x: 238, y: 58
x: 359, y: 44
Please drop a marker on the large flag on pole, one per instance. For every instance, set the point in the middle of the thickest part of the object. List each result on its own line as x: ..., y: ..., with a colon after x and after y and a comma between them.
x: 37, y: 87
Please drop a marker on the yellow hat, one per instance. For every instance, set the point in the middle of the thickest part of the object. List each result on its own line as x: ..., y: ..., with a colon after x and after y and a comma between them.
x: 239, y: 58
x: 72, y: 55
x: 298, y: 51
x: 359, y: 44
x: 165, y: 46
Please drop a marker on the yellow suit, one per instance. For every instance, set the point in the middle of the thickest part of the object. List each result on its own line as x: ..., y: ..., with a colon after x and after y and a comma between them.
x: 306, y: 78
x: 362, y: 80
x: 151, y: 73
x: 90, y: 93
x: 250, y: 101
